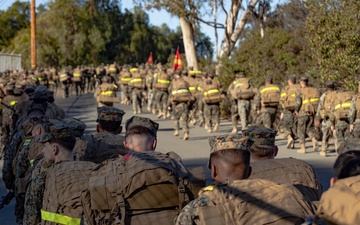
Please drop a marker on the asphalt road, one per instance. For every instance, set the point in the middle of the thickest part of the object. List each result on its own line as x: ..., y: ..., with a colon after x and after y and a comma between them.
x: 194, y: 152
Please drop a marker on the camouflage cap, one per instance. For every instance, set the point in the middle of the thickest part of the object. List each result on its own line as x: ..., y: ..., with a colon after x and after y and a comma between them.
x: 230, y: 141
x: 40, y: 93
x: 142, y: 121
x: 304, y: 78
x: 350, y: 144
x: 292, y: 78
x: 240, y: 75
x: 269, y: 79
x: 330, y: 84
x: 108, y: 113
x: 261, y: 137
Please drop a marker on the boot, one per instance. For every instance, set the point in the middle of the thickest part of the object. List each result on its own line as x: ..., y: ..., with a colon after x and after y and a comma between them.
x: 135, y: 112
x: 176, y: 133
x: 315, y: 144
x: 322, y: 153
x: 234, y: 130
x: 216, y: 127
x: 160, y: 114
x: 186, y: 136
x: 302, y: 149
x: 290, y: 143
x: 193, y: 121
x: 153, y: 111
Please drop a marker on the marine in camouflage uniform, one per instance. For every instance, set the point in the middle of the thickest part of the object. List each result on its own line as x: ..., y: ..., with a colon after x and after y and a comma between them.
x: 354, y: 115
x: 137, y: 84
x: 267, y: 114
x: 326, y: 122
x: 219, y: 144
x: 107, y: 141
x: 211, y: 110
x: 162, y: 95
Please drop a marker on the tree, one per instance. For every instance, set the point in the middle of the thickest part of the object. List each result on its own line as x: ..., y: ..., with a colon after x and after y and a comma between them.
x: 333, y: 31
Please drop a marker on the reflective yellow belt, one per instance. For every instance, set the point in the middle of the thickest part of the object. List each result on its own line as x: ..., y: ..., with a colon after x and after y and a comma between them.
x: 180, y: 91
x: 283, y: 95
x: 40, y: 78
x: 239, y: 84
x: 192, y: 88
x: 209, y: 188
x: 344, y: 105
x: 27, y: 142
x: 112, y: 69
x: 12, y: 103
x: 136, y: 80
x: 77, y: 74
x: 199, y: 88
x: 310, y: 101
x: 107, y: 93
x: 195, y: 72
x: 126, y: 79
x: 133, y: 69
x: 31, y: 162
x: 63, y: 75
x: 211, y: 92
x: 51, y: 82
x: 58, y: 218
x: 270, y: 89
x: 164, y: 81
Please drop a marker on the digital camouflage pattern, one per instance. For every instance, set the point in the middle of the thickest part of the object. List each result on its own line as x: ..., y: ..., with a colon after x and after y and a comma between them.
x: 261, y: 137
x: 109, y: 113
x: 40, y: 93
x: 231, y: 141
x: 350, y: 144
x: 188, y: 213
x: 142, y: 121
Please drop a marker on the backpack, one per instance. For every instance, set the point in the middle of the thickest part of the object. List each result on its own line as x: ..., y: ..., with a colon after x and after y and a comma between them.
x: 163, y: 82
x: 211, y: 94
x: 243, y: 90
x: 138, y: 188
x: 63, y: 76
x: 270, y: 96
x: 180, y: 91
x: 288, y: 96
x: 252, y: 201
x: 107, y: 94
x: 137, y: 81
x: 341, y: 203
x: 328, y: 104
x: 289, y: 171
x: 77, y: 75
x: 64, y: 183
x: 342, y: 104
x: 310, y: 99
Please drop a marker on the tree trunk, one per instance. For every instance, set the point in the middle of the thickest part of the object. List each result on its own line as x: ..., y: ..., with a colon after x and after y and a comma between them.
x: 189, y: 43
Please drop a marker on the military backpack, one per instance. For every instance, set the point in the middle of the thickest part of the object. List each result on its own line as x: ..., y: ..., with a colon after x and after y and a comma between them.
x: 342, y: 104
x: 180, y: 91
x: 107, y: 94
x: 243, y: 90
x: 310, y: 99
x: 211, y: 94
x: 163, y: 82
x: 270, y: 96
x: 288, y: 96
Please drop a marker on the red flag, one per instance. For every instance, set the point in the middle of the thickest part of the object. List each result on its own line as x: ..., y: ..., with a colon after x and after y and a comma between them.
x: 177, y: 61
x: 150, y: 59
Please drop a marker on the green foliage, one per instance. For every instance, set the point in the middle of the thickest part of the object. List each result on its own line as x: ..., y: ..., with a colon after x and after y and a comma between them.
x: 333, y: 32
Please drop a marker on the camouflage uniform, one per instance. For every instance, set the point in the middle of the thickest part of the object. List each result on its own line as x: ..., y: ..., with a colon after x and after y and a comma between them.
x: 137, y: 83
x: 354, y: 119
x: 102, y: 146
x: 211, y: 110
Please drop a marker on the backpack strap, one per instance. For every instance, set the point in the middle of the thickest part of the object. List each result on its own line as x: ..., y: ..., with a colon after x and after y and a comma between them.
x: 118, y: 207
x: 183, y: 193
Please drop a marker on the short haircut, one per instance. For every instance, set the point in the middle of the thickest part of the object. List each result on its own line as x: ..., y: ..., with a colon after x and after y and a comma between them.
x: 109, y: 125
x: 139, y: 130
x: 232, y: 156
x: 347, y: 165
x: 66, y: 142
x: 259, y: 152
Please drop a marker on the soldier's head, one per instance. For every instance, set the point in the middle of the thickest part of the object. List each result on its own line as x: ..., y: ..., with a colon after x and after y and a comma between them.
x: 211, y: 76
x: 229, y: 158
x: 109, y: 120
x: 330, y: 85
x: 204, y: 75
x: 268, y: 80
x: 304, y: 80
x: 140, y: 134
x: 263, y: 143
x: 292, y: 79
x: 346, y: 165
x: 106, y: 79
x: 239, y: 75
x: 184, y: 73
x: 40, y: 95
x: 177, y: 74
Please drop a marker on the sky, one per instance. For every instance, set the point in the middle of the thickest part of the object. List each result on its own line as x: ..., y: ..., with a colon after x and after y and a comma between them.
x: 159, y: 17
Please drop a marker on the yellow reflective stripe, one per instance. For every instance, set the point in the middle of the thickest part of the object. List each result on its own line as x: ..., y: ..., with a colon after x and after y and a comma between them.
x: 180, y: 91
x: 115, y: 86
x: 31, y: 162
x: 27, y: 142
x: 112, y: 69
x: 270, y: 89
x: 200, y: 88
x: 51, y: 82
x: 164, y: 81
x: 77, y: 74
x: 309, y: 101
x: 40, y: 78
x: 133, y: 69
x: 192, y: 88
x: 283, y: 95
x: 293, y: 95
x: 195, y: 72
x: 209, y: 188
x: 34, y: 78
x: 211, y: 91
x: 127, y: 79
x: 58, y: 218
x: 136, y: 80
x: 107, y: 93
x: 239, y: 84
x: 344, y: 105
x: 63, y: 75
x: 12, y: 103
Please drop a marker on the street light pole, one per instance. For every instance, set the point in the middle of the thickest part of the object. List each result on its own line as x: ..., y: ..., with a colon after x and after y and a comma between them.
x: 33, y: 35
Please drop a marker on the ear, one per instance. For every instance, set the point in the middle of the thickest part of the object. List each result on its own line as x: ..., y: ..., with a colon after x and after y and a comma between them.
x: 126, y: 145
x: 214, y: 173
x: 332, y: 181
x: 154, y: 144
x: 276, y: 150
x: 97, y: 128
x: 56, y: 149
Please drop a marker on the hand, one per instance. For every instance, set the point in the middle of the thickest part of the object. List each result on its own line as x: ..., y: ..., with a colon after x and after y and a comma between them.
x: 296, y: 114
x: 282, y: 116
x: 332, y: 128
x: 351, y: 127
x: 258, y: 112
